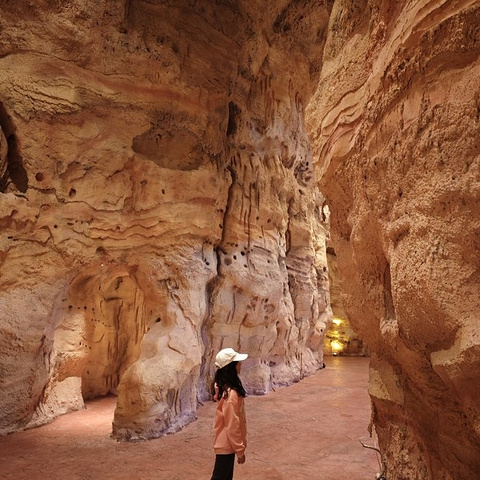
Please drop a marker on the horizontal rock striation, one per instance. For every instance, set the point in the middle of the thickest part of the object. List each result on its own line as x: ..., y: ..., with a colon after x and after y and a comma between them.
x: 157, y: 203
x: 395, y: 126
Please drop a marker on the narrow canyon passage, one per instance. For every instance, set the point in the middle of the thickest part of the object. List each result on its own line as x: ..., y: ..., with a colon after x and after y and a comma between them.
x: 308, y: 431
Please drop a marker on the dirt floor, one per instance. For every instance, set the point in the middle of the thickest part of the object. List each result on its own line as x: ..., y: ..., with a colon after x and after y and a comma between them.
x: 308, y: 431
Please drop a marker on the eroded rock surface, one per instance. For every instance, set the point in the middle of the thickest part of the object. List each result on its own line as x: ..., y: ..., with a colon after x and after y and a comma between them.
x: 396, y: 128
x: 158, y: 203
x: 340, y: 338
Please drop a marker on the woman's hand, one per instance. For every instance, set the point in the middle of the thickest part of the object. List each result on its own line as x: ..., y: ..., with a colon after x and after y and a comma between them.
x: 241, y: 460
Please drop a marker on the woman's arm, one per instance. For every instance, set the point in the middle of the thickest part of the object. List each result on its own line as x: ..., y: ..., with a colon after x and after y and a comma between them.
x: 233, y: 424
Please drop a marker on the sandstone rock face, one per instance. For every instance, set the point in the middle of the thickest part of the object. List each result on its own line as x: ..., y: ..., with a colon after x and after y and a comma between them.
x: 340, y: 338
x: 396, y: 129
x: 157, y: 203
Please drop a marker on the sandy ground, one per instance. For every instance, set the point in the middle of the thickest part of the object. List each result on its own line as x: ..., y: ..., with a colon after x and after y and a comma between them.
x: 308, y: 431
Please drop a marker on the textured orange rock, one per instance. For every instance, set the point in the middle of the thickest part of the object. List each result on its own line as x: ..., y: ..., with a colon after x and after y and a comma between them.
x: 159, y: 204
x: 340, y: 338
x: 395, y: 125
x: 324, y: 438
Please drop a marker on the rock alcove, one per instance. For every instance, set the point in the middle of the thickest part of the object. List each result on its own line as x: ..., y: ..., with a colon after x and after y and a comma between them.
x: 165, y: 174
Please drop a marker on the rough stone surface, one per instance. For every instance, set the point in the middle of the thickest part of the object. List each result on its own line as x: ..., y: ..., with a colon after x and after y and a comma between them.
x: 327, y: 438
x: 340, y: 338
x: 396, y: 129
x: 157, y: 204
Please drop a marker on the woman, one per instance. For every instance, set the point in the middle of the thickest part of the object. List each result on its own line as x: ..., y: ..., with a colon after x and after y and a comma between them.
x: 230, y: 426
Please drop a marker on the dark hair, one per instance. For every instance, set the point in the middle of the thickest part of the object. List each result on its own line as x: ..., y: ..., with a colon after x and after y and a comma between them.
x: 227, y: 377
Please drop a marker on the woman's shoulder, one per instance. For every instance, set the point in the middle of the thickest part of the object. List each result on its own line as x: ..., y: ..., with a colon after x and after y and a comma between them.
x: 233, y: 396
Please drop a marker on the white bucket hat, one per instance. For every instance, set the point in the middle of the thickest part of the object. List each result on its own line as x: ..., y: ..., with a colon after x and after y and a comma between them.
x: 228, y: 355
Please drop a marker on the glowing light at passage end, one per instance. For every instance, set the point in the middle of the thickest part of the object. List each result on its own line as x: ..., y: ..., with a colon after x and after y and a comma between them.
x: 336, y: 346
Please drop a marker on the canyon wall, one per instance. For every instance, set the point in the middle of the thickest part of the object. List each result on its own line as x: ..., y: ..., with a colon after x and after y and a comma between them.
x: 395, y: 125
x: 159, y: 200
x: 340, y: 338
x: 157, y: 204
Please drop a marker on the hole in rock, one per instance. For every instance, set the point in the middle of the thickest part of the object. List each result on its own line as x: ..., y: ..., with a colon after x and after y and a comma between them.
x: 12, y: 172
x: 233, y: 114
